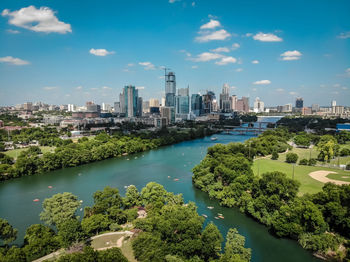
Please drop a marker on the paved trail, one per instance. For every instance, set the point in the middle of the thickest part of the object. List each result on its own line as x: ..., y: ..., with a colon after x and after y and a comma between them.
x: 322, y: 177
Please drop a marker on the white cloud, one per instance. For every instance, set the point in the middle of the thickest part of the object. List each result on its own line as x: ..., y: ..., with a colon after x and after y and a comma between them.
x: 248, y: 34
x: 347, y: 72
x: 211, y: 24
x: 235, y: 46
x: 94, y: 88
x: 262, y: 82
x: 344, y: 88
x: 255, y: 62
x: 13, y: 61
x: 207, y: 56
x: 38, y: 20
x: 106, y: 88
x: 11, y: 31
x: 100, y: 52
x: 194, y: 67
x: 147, y: 65
x: 140, y: 87
x: 79, y: 88
x: 67, y: 95
x: 130, y: 64
x: 279, y: 89
x: 344, y: 35
x: 221, y: 50
x: 206, y: 36
x: 226, y: 60
x: 292, y: 93
x: 49, y: 88
x: 239, y: 70
x: 291, y: 55
x: 267, y: 37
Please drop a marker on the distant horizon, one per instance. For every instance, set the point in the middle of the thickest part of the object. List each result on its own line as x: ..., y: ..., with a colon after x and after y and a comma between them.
x: 267, y: 49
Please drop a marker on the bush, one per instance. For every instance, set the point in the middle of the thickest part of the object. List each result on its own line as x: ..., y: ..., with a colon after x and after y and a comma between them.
x: 274, y: 155
x: 312, y: 161
x: 345, y: 152
x: 291, y: 158
x: 304, y: 162
x: 347, y: 167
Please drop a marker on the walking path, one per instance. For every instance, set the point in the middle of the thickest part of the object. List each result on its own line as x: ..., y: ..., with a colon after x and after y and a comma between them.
x: 322, y: 177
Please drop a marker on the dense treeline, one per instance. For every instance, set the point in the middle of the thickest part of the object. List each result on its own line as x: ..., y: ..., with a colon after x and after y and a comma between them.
x: 318, y: 124
x: 225, y: 174
x: 171, y: 231
x: 103, y: 146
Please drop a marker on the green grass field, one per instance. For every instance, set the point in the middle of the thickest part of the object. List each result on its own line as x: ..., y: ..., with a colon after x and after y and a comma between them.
x: 302, y: 153
x: 301, y: 173
x: 15, y: 152
x: 340, y: 176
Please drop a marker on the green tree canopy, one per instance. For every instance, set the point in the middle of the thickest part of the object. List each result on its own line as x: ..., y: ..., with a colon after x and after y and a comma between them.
x: 7, y: 232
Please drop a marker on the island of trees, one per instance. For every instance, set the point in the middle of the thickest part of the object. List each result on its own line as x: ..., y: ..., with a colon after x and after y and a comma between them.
x: 170, y: 231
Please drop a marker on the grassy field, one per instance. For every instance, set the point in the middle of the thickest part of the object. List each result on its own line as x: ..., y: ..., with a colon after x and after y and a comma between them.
x: 340, y: 176
x: 127, y: 250
x: 302, y: 153
x: 105, y: 241
x: 301, y: 173
x: 15, y: 152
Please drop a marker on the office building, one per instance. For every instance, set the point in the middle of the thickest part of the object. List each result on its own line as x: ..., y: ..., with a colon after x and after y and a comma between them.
x: 315, y: 107
x: 71, y: 108
x: 225, y: 105
x: 145, y: 107
x: 299, y: 103
x: 243, y: 104
x: 168, y: 113
x: 153, y: 102
x: 182, y: 103
x: 258, y: 105
x: 207, y: 100
x: 170, y: 89
x: 28, y: 106
x: 196, y: 104
x: 117, y: 108
x: 233, y: 102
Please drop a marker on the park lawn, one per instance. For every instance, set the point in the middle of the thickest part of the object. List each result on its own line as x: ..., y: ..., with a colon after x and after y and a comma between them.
x: 127, y: 250
x: 343, y: 160
x: 302, y: 153
x: 340, y: 176
x: 301, y: 173
x: 101, y: 242
x: 16, y: 152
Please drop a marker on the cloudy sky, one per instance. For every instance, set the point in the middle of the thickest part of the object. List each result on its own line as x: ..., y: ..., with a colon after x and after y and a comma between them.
x: 74, y: 51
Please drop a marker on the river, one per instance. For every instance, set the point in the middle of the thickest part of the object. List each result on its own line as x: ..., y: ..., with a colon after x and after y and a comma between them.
x: 175, y: 161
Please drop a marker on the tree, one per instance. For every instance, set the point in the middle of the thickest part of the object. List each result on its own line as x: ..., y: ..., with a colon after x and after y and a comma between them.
x: 39, y: 241
x: 153, y: 193
x: 106, y: 199
x: 95, y: 224
x: 328, y: 147
x: 234, y: 248
x: 291, y: 158
x: 112, y: 254
x: 14, y: 254
x: 59, y: 208
x: 132, y: 197
x: 211, y: 242
x: 7, y: 232
x: 70, y: 231
x: 304, y: 162
x: 274, y: 155
x: 302, y: 140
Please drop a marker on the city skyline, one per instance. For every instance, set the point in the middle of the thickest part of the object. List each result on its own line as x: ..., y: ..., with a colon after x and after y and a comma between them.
x: 75, y: 56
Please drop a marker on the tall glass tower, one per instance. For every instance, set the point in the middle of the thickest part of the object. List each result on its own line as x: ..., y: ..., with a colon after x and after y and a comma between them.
x: 170, y: 89
x: 130, y: 95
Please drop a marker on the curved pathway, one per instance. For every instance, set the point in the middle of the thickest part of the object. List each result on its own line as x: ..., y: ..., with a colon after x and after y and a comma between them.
x: 321, y: 176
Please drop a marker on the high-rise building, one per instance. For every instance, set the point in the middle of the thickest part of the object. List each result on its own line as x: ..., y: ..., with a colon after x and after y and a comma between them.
x: 183, y: 103
x: 287, y: 108
x: 145, y: 107
x: 334, y: 104
x: 28, y: 106
x: 170, y: 89
x: 225, y: 105
x: 258, y: 105
x: 153, y: 102
x: 139, y: 106
x: 129, y: 101
x: 315, y: 107
x: 168, y: 113
x: 117, y: 108
x: 106, y: 107
x: 208, y: 99
x: 92, y: 107
x: 196, y: 104
x: 299, y: 103
x: 243, y: 104
x: 233, y: 102
x: 71, y: 108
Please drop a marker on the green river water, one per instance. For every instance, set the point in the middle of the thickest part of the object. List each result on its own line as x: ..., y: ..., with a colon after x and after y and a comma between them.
x: 176, y: 161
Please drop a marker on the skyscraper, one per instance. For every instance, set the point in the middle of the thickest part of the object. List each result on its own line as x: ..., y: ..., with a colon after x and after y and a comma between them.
x: 208, y: 100
x: 130, y: 101
x: 183, y: 103
x: 196, y: 104
x: 258, y: 105
x: 243, y: 104
x: 170, y: 89
x: 225, y: 99
x: 233, y: 102
x: 299, y: 102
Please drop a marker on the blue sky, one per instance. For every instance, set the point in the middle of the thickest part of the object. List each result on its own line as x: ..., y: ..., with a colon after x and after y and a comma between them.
x: 77, y: 51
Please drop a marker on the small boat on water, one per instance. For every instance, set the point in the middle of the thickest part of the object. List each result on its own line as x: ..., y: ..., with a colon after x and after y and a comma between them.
x: 213, y: 138
x: 216, y: 217
x: 204, y: 215
x: 128, y: 159
x: 49, y: 186
x: 168, y: 176
x: 210, y: 207
x: 176, y: 179
x: 219, y: 214
x: 36, y: 200
x: 81, y: 209
x: 221, y: 217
